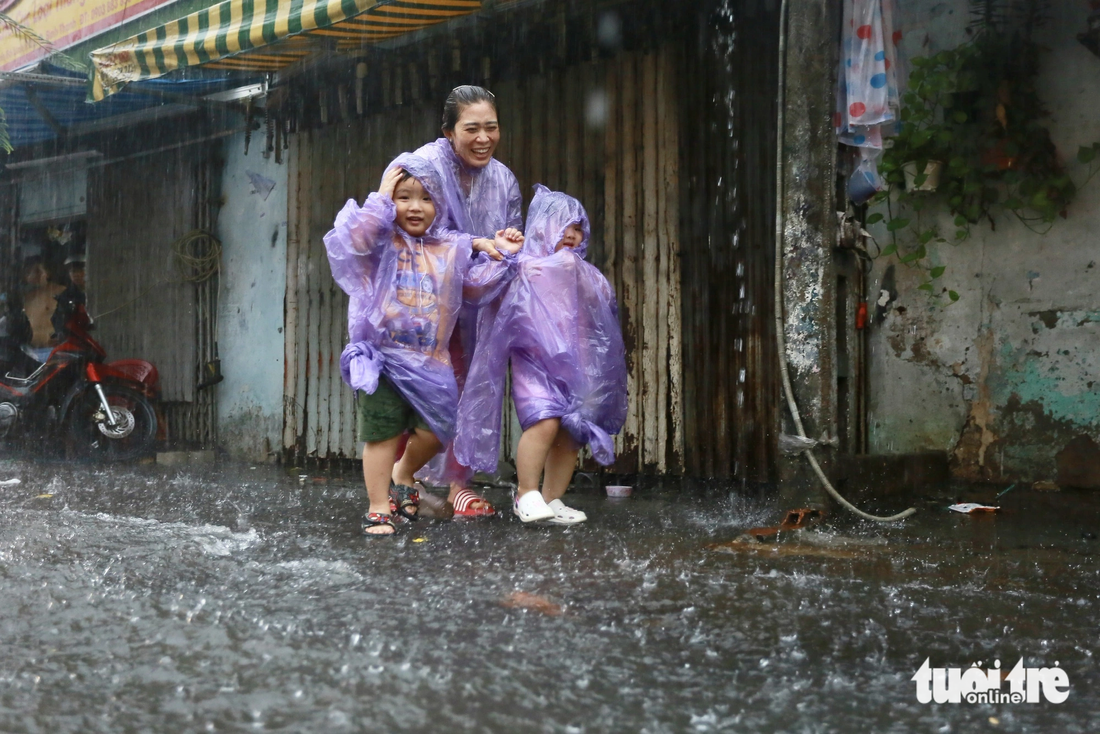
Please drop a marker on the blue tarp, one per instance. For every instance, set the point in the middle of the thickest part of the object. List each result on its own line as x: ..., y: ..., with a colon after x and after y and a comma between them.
x: 69, y: 108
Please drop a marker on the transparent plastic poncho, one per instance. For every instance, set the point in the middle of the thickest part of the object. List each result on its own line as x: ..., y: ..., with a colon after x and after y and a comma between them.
x: 406, y: 293
x: 558, y: 324
x: 480, y: 202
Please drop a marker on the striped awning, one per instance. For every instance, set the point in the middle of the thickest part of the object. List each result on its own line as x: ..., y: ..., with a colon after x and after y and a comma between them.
x: 262, y: 36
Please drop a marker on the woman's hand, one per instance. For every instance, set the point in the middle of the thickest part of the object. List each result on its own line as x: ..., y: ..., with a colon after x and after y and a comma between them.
x: 389, y: 181
x: 501, y: 245
x: 483, y: 244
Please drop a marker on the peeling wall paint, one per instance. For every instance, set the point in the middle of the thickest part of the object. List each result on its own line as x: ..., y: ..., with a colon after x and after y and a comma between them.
x: 809, y: 225
x: 1009, y: 376
x: 252, y: 230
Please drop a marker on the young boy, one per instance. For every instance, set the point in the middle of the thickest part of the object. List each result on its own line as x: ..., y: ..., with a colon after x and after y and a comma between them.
x: 558, y: 324
x: 407, y: 277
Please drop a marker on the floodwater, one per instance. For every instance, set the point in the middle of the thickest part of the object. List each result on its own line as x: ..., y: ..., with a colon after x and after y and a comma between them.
x: 238, y: 599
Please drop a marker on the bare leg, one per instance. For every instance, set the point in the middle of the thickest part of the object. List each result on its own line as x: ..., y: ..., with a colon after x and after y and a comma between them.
x: 560, y: 463
x: 422, y: 446
x: 377, y: 465
x: 534, y: 446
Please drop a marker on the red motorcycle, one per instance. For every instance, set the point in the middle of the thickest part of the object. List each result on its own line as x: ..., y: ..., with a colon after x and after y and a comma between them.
x: 100, y: 410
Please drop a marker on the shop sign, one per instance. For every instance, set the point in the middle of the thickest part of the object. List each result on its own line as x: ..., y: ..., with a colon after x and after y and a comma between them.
x: 64, y: 23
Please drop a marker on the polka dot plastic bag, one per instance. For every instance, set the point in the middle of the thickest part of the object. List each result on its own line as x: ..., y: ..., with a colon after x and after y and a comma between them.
x: 868, y: 94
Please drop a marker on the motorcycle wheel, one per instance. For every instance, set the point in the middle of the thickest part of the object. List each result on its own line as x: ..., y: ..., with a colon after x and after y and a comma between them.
x: 135, y: 428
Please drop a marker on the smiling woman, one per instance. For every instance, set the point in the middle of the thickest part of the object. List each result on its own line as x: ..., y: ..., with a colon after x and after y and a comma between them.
x: 483, y: 198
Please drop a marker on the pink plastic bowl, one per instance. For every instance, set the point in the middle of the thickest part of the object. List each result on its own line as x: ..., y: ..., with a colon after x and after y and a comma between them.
x: 618, y: 490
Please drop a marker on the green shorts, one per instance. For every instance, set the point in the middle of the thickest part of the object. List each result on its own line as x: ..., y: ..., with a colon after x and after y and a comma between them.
x: 384, y: 414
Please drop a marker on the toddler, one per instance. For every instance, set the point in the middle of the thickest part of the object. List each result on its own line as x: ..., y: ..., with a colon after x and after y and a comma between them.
x: 558, y: 324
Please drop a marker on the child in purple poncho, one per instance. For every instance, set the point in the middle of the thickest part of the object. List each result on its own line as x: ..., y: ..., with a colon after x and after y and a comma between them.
x: 407, y: 276
x: 558, y: 324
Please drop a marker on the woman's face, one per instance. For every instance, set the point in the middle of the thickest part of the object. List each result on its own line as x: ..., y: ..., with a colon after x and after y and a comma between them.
x: 476, y: 134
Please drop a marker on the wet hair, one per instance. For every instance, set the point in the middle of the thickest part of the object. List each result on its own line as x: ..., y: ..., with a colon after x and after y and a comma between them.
x: 405, y: 176
x: 462, y: 97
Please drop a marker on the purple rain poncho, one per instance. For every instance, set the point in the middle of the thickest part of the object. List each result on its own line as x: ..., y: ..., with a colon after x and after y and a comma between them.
x: 480, y: 202
x: 406, y: 293
x: 558, y: 323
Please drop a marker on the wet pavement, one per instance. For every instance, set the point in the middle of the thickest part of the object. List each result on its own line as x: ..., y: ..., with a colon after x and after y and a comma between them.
x: 238, y: 599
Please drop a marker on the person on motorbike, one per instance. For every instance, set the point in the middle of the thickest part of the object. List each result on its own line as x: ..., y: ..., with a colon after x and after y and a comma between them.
x: 39, y: 303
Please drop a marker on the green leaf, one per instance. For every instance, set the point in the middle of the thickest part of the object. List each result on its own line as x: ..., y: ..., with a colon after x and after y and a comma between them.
x: 889, y: 250
x: 959, y: 116
x: 880, y: 197
x: 895, y: 224
x: 953, y: 296
x: 960, y: 221
x: 913, y: 256
x: 1013, y: 203
x: 1086, y: 155
x: 925, y: 287
x: 874, y: 218
x: 961, y: 234
x: 926, y: 236
x: 937, y: 272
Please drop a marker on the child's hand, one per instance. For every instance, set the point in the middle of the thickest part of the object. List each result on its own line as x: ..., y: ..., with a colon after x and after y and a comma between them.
x: 389, y: 181
x: 508, y: 240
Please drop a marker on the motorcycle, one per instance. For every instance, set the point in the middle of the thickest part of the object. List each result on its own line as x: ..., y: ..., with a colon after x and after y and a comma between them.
x: 99, y: 410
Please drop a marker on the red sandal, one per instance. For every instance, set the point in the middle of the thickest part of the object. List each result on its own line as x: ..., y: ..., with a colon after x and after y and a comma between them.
x: 464, y: 503
x: 377, y: 519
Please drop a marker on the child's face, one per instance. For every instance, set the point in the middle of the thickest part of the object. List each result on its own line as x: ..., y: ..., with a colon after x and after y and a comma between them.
x: 573, y: 236
x: 415, y: 209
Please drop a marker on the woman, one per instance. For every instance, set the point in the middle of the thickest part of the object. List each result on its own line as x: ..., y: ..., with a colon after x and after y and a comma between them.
x: 483, y: 198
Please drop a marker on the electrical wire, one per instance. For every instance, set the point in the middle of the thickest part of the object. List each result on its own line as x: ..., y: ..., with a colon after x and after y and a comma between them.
x: 780, y: 337
x: 197, y: 257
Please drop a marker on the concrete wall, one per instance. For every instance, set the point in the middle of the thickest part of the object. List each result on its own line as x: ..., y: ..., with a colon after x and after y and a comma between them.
x: 809, y: 231
x: 252, y: 229
x: 1009, y: 375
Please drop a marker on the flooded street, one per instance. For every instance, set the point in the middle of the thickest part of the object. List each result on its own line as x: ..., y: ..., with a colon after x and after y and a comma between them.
x: 238, y: 599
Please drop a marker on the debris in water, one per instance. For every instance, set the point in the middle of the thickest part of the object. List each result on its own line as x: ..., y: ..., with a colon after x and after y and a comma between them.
x: 533, y: 602
x: 793, y: 520
x: 743, y: 545
x: 1045, y: 485
x: 419, y: 540
x: 798, y: 519
x: 10, y: 482
x: 968, y: 508
x: 1006, y: 490
x: 43, y: 496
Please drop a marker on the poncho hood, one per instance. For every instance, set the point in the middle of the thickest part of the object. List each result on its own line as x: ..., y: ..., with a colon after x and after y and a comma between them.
x: 424, y: 172
x: 550, y: 213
